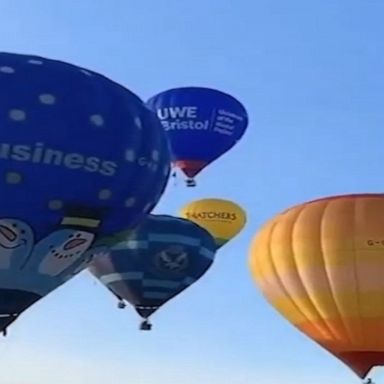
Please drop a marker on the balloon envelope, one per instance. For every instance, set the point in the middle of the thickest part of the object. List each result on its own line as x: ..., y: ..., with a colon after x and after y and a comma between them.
x: 154, y: 263
x: 320, y: 264
x: 79, y: 155
x: 201, y: 123
x: 75, y: 142
x: 223, y: 219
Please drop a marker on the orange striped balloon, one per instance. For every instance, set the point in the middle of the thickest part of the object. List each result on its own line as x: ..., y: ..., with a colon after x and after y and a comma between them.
x: 321, y: 265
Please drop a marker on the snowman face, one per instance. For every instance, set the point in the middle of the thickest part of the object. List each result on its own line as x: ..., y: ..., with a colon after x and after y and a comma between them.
x: 16, y: 242
x: 61, y: 249
x: 76, y: 243
x: 14, y: 234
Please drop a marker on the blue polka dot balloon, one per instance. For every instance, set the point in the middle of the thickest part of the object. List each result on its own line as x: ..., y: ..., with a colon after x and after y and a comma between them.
x: 79, y: 156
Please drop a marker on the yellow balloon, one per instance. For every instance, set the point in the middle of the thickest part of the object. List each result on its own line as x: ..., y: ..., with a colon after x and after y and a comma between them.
x: 321, y: 265
x: 223, y: 219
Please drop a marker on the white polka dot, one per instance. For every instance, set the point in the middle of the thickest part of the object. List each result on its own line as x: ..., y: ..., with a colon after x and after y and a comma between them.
x: 166, y: 170
x: 35, y: 62
x: 137, y: 122
x: 105, y: 194
x: 130, y: 155
x: 97, y: 120
x: 155, y: 155
x: 47, y: 98
x: 55, y: 205
x: 17, y: 114
x: 130, y: 202
x: 7, y: 70
x: 154, y: 167
x: 86, y: 72
x: 13, y: 178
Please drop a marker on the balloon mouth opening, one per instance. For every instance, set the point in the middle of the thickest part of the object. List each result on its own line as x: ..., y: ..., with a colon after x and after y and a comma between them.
x: 362, y: 362
x: 145, y: 311
x: 190, y: 167
x: 12, y: 303
x: 220, y: 242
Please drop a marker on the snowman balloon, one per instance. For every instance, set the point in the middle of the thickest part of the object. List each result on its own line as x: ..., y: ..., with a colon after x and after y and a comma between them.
x: 80, y: 156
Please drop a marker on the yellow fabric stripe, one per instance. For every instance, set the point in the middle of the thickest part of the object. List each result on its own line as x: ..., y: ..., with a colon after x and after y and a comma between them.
x: 81, y: 221
x: 322, y: 306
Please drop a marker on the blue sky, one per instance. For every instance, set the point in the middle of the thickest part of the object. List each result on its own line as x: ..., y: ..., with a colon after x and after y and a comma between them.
x: 311, y: 76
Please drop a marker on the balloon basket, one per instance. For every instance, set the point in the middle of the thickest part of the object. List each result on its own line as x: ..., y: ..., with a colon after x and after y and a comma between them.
x: 190, y: 183
x: 121, y: 305
x: 145, y: 326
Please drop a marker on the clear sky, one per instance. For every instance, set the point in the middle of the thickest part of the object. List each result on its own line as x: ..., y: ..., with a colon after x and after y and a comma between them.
x: 311, y: 76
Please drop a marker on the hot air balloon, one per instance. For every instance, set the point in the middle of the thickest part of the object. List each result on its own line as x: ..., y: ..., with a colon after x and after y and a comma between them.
x: 152, y: 264
x: 202, y: 124
x: 79, y: 156
x: 223, y: 219
x: 321, y: 265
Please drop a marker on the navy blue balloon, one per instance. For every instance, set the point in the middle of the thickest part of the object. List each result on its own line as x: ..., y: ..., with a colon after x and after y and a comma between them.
x: 155, y: 262
x: 79, y: 156
x: 201, y: 124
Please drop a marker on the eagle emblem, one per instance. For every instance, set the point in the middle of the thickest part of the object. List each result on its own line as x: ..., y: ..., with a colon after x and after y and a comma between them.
x: 172, y: 259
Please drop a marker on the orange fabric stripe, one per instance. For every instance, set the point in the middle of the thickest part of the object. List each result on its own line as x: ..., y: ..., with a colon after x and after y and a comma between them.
x: 351, y: 335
